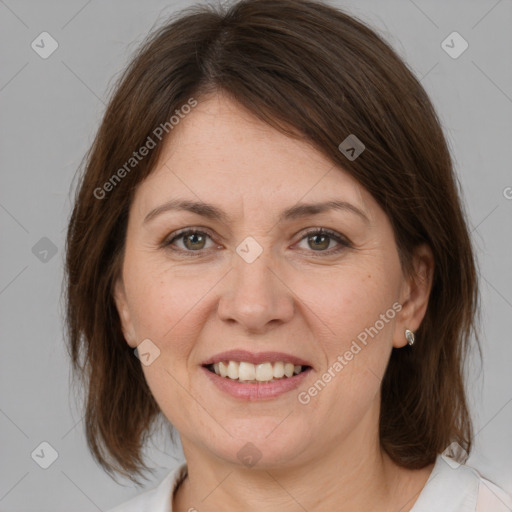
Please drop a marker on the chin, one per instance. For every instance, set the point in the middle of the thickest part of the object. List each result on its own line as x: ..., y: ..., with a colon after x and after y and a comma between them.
x: 263, y: 444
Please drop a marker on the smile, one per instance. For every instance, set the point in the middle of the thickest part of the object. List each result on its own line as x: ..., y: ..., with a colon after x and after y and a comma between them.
x: 254, y: 373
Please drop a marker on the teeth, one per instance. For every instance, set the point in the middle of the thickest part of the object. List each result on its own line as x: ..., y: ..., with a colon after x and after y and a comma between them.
x: 248, y: 372
x: 278, y: 370
x: 233, y: 370
x: 264, y: 372
x: 223, y: 369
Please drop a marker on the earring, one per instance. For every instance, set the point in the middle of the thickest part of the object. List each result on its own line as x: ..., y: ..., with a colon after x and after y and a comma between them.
x: 409, y: 335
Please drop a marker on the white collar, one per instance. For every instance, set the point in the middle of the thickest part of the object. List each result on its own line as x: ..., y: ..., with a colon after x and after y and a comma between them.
x: 451, y: 487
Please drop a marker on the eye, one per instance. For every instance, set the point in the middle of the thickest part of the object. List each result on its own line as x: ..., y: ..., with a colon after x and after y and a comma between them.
x: 320, y: 238
x: 194, y: 241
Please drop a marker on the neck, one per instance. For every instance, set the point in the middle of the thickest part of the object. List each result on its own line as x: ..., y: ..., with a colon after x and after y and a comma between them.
x: 346, y: 475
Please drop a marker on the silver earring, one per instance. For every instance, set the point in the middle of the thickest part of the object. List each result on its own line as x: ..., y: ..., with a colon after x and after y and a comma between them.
x: 409, y: 335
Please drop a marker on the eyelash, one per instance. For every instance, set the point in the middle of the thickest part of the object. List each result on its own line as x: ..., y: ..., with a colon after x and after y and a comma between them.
x: 344, y: 243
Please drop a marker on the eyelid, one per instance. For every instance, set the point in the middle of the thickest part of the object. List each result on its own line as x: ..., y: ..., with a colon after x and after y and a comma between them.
x: 168, y: 240
x: 341, y: 239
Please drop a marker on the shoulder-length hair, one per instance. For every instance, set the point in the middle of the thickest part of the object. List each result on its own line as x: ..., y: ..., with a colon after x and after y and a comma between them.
x: 314, y: 73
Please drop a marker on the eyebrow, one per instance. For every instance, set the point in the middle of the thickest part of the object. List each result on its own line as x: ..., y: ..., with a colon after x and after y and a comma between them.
x: 213, y: 212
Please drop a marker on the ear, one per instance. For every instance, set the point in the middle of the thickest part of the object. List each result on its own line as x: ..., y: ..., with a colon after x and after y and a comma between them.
x: 415, y: 294
x: 124, y: 313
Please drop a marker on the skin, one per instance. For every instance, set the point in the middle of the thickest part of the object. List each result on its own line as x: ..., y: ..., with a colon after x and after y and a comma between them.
x: 294, y: 298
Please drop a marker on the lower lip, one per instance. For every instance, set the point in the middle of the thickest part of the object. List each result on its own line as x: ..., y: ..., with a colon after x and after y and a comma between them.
x: 259, y: 391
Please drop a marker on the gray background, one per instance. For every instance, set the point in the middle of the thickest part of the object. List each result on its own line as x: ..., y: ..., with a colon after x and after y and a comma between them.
x: 50, y: 111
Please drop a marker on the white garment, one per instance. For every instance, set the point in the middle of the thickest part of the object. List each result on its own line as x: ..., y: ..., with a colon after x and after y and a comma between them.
x: 450, y: 488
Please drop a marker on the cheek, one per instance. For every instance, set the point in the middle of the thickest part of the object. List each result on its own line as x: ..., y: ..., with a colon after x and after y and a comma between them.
x: 160, y: 296
x: 169, y: 311
x: 356, y: 343
x: 350, y: 300
x: 170, y: 307
x: 355, y: 321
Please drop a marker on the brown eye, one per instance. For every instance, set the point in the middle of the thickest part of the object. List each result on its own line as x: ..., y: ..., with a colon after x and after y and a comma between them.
x: 320, y: 239
x: 193, y: 241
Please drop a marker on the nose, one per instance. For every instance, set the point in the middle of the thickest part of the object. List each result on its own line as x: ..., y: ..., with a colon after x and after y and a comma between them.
x: 255, y: 294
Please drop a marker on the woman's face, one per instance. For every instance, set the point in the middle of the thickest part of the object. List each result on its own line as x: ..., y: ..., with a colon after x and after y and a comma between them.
x: 255, y: 280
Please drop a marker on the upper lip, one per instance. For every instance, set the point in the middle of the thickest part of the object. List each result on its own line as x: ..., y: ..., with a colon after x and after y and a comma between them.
x: 255, y: 358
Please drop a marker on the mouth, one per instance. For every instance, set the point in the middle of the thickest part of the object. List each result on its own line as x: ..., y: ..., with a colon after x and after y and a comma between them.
x: 264, y: 380
x: 252, y: 368
x: 245, y: 372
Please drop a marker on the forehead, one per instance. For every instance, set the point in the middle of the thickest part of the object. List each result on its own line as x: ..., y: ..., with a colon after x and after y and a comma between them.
x: 221, y: 153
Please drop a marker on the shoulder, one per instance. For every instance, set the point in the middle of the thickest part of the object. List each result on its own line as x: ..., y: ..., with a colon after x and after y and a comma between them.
x: 158, y: 499
x: 457, y: 487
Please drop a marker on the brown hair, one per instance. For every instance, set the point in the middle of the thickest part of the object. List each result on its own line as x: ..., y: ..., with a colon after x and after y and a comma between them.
x: 318, y: 74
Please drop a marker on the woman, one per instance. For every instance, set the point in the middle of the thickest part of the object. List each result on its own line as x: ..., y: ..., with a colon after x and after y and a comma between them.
x: 269, y: 251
